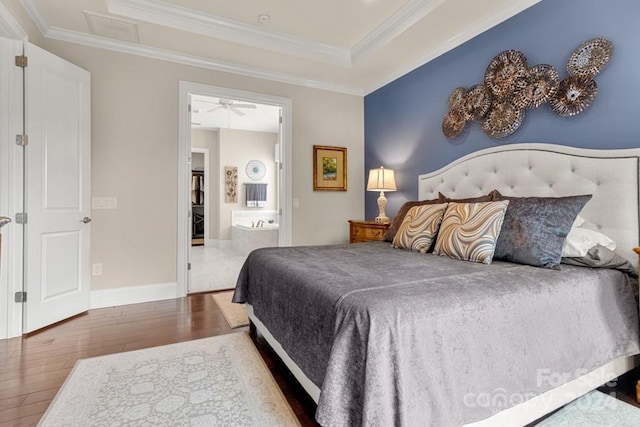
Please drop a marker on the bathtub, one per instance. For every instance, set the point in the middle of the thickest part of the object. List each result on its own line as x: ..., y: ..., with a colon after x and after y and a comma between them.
x: 265, y: 226
x: 245, y: 238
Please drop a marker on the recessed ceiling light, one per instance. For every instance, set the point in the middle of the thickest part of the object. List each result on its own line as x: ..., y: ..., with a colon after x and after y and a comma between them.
x: 264, y: 18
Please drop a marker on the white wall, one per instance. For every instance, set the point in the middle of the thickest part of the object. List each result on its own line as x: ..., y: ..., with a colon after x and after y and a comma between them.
x: 232, y: 147
x: 135, y: 155
x: 237, y: 148
x: 197, y: 161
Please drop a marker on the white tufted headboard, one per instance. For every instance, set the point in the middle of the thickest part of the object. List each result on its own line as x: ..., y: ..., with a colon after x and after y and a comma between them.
x: 611, y: 176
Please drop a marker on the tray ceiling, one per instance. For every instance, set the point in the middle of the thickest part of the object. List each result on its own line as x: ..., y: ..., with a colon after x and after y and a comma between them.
x: 351, y: 47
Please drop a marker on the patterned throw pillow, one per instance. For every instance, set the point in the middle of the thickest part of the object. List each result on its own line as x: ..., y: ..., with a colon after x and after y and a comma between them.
x: 419, y: 227
x: 396, y: 222
x: 469, y: 231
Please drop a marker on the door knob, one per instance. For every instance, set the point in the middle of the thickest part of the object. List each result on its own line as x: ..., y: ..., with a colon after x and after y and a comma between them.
x: 86, y: 220
x: 4, y: 220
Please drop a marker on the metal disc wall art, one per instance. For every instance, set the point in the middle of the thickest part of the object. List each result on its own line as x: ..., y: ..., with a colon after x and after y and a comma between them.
x: 510, y: 87
x: 477, y: 103
x: 542, y: 82
x: 575, y: 94
x: 505, y: 72
x: 503, y: 119
x: 453, y: 123
x: 590, y: 57
x: 457, y: 99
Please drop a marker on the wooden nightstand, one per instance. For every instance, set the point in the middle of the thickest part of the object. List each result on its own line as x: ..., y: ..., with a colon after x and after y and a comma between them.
x: 366, y: 231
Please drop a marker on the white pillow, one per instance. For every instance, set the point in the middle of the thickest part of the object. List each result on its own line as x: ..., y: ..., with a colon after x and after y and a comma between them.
x: 578, y: 222
x: 580, y: 240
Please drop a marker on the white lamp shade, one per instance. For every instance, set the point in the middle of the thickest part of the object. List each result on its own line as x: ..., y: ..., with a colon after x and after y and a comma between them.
x: 381, y: 179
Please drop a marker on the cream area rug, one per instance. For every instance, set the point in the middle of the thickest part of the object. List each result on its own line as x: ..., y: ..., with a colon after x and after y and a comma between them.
x: 219, y: 381
x: 235, y: 314
x: 595, y: 409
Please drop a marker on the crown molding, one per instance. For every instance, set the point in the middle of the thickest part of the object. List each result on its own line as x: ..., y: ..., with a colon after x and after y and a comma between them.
x: 9, y: 27
x: 197, y: 22
x: 388, y: 30
x: 90, y: 40
x: 33, y: 10
x: 208, y: 25
x: 412, y: 12
x: 496, y: 17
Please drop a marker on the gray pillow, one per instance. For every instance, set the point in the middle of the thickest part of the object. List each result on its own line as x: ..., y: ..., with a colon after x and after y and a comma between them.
x: 480, y: 199
x: 535, y: 228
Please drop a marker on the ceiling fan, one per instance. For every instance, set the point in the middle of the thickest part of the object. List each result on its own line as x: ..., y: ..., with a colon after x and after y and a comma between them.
x: 230, y: 105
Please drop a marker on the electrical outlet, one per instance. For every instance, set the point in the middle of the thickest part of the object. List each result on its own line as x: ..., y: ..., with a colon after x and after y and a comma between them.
x: 96, y: 270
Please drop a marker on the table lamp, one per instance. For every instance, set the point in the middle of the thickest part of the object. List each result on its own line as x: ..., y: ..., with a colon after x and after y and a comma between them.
x: 381, y: 180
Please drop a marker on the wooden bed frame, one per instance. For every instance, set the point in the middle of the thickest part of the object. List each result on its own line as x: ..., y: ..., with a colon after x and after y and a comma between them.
x: 611, y: 176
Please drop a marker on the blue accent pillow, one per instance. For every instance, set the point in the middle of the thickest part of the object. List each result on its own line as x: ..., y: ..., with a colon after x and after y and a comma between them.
x: 535, y: 228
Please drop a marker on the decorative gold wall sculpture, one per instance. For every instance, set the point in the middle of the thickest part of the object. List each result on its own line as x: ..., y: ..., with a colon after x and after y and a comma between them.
x: 510, y: 87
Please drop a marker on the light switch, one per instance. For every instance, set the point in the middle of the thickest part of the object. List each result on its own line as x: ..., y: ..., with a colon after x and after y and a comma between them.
x: 296, y: 203
x: 104, y: 203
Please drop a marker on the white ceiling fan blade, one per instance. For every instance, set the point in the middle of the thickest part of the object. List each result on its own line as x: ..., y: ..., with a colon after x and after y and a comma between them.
x: 252, y: 106
x: 238, y: 112
x: 215, y: 109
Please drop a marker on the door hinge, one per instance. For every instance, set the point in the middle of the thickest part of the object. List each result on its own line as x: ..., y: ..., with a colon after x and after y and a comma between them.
x: 280, y: 119
x: 22, y: 140
x: 188, y: 266
x: 22, y: 218
x: 21, y: 61
x: 21, y: 296
x: 189, y: 107
x: 280, y: 211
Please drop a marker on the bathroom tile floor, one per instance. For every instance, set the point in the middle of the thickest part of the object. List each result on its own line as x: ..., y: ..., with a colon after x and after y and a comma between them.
x: 214, y: 268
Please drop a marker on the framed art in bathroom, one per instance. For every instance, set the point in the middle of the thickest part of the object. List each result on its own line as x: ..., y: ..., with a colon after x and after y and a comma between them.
x: 329, y: 168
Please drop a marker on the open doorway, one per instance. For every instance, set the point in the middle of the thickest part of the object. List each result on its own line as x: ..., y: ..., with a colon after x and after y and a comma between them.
x: 234, y: 191
x: 243, y: 185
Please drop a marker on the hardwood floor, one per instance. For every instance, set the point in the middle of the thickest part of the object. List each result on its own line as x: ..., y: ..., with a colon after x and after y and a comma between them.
x: 33, y: 368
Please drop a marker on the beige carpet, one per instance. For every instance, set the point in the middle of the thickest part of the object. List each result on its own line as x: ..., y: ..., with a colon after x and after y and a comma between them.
x: 219, y: 381
x: 234, y: 313
x: 594, y: 409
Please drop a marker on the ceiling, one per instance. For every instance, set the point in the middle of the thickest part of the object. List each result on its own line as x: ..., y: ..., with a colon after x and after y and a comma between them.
x: 352, y: 47
x: 209, y: 113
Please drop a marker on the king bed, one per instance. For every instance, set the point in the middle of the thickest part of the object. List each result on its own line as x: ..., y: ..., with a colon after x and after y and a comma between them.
x: 384, y: 336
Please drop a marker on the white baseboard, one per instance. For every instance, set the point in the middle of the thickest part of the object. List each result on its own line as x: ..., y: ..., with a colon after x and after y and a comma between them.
x: 133, y: 294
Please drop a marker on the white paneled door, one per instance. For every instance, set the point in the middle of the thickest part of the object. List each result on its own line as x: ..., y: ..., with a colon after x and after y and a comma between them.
x: 57, y: 189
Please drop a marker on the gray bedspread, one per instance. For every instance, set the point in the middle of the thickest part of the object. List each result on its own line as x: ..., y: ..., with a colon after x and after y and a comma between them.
x: 399, y: 338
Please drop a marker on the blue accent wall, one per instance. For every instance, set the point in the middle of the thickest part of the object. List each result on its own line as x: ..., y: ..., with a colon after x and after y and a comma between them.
x: 403, y: 120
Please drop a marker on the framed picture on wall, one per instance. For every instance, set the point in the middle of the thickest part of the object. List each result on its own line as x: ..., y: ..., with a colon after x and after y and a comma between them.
x: 329, y: 168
